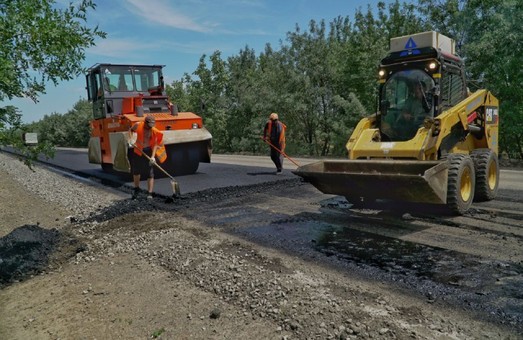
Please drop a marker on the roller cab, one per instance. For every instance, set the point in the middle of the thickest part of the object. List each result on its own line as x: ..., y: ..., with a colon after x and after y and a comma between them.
x: 123, y: 95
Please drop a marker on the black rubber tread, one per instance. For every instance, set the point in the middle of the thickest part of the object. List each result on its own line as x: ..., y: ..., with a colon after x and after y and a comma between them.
x: 483, y: 159
x: 457, y: 165
x: 107, y: 167
x: 182, y: 160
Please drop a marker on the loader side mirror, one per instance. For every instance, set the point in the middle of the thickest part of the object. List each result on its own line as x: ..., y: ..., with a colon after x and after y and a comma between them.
x: 384, y: 107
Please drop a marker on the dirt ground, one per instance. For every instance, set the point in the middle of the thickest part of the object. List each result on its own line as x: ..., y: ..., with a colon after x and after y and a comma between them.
x: 141, y: 270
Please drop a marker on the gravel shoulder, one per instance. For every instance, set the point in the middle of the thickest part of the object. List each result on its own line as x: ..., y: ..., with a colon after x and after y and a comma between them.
x: 109, y: 267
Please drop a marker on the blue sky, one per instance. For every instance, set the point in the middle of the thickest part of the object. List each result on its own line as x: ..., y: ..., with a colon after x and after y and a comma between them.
x: 177, y: 33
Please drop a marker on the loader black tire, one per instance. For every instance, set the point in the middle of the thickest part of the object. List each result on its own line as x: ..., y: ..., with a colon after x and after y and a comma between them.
x: 487, y: 174
x: 461, y: 183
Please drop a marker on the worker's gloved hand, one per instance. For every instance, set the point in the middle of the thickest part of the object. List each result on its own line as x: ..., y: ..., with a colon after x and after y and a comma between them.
x: 152, y: 161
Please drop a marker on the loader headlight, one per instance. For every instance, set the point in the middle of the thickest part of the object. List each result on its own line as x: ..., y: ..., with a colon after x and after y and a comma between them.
x: 381, y: 73
x: 432, y: 66
x: 195, y: 125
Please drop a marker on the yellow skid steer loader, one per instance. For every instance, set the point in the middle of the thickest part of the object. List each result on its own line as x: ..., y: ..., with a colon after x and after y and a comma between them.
x: 431, y: 141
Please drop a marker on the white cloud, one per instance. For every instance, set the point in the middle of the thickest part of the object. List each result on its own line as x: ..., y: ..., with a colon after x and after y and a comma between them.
x: 116, y: 48
x: 195, y: 47
x: 128, y: 49
x: 159, y: 12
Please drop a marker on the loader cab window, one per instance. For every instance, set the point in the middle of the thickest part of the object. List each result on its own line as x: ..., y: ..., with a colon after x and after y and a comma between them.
x: 406, y: 101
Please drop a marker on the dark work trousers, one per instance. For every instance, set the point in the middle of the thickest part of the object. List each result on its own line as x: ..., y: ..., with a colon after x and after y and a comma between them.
x: 140, y: 164
x: 277, y: 157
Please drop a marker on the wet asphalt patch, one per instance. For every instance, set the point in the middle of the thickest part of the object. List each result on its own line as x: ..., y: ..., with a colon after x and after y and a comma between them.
x: 439, y: 274
x: 30, y: 250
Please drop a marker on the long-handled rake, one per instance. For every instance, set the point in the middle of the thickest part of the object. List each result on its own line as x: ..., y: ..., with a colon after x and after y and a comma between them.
x: 281, y: 152
x: 174, y: 183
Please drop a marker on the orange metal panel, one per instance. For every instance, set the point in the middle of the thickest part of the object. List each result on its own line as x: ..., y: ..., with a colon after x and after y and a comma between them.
x: 128, y: 105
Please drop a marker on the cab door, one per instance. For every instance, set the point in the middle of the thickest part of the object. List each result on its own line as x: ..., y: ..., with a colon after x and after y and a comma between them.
x: 95, y: 93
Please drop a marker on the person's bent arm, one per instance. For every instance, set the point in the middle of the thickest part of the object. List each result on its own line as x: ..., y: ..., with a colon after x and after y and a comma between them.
x: 133, y: 136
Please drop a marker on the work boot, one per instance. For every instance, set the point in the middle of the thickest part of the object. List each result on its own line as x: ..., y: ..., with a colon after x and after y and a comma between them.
x: 136, y: 192
x: 278, y: 172
x: 150, y: 196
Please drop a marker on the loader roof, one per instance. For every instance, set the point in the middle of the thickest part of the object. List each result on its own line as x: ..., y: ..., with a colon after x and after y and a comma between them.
x: 421, y: 40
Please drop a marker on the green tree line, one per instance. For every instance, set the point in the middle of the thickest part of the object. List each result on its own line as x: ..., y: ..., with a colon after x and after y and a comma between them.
x: 322, y: 79
x: 40, y: 42
x: 71, y: 129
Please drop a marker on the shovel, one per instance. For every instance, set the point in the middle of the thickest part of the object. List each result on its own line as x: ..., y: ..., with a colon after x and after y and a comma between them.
x: 174, y: 183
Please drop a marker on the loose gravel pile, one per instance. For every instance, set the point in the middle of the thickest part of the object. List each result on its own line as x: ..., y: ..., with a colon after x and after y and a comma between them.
x: 260, y: 287
x: 81, y: 197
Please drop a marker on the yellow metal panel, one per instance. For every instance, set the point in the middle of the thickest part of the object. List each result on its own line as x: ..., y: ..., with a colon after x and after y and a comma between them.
x: 364, y: 141
x: 365, y: 147
x: 363, y: 125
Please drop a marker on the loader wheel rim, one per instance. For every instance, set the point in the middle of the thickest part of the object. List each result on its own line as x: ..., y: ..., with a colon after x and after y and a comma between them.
x: 466, y: 185
x: 492, y: 176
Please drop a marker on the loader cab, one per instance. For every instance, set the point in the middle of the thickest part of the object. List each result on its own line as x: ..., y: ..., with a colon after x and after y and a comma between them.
x: 420, y: 78
x: 407, y: 100
x: 109, y: 84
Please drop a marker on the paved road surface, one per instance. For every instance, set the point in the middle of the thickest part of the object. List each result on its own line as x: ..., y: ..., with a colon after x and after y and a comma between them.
x: 247, y: 170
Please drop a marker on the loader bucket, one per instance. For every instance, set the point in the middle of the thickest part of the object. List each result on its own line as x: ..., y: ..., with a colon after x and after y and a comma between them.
x: 369, y: 180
